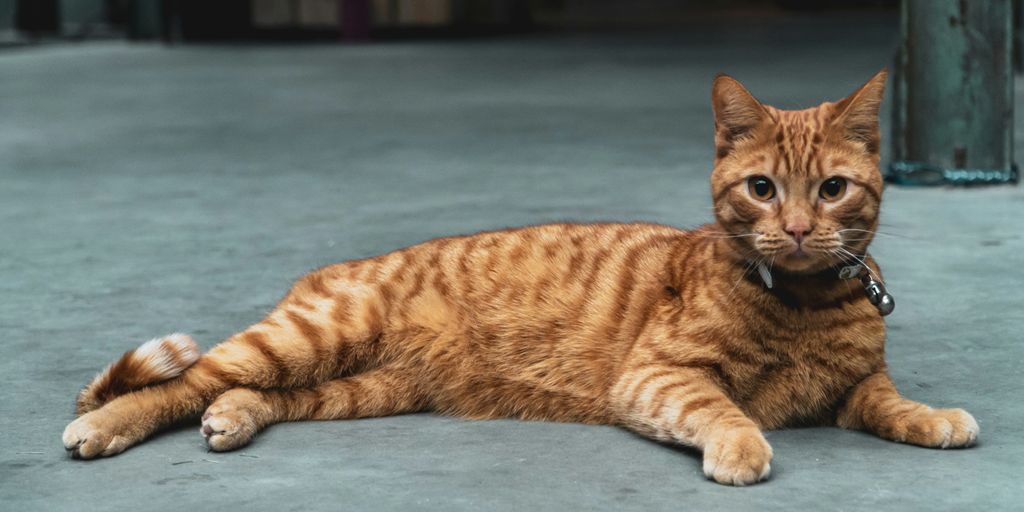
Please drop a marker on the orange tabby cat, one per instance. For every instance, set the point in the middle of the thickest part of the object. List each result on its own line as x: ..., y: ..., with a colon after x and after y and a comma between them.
x: 673, y: 334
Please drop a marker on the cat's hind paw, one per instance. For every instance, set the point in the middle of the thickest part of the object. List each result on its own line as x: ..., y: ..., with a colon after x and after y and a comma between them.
x: 95, y: 435
x: 231, y: 421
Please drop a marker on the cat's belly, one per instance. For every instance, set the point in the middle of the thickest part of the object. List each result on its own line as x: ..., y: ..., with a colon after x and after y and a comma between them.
x: 527, y: 373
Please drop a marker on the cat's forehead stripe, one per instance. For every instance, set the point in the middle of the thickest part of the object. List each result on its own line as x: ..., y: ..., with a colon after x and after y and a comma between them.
x: 798, y: 140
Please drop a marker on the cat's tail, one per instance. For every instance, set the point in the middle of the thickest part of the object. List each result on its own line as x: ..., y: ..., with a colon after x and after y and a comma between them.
x: 157, y: 360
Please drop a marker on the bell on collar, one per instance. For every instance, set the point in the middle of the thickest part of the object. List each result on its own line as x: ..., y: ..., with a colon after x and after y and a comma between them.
x: 877, y: 295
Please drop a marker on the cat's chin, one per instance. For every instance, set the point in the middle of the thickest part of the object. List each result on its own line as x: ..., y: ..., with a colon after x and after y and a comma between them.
x: 800, y: 262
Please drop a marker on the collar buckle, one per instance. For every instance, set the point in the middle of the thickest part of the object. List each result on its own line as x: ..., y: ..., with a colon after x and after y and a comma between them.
x: 850, y: 271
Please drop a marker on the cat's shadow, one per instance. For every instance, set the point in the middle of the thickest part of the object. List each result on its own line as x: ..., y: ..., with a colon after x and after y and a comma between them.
x: 689, y: 451
x: 189, y: 425
x: 696, y: 455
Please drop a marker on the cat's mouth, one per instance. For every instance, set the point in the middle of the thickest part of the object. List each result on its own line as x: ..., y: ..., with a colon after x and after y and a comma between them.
x: 801, y: 259
x: 808, y: 255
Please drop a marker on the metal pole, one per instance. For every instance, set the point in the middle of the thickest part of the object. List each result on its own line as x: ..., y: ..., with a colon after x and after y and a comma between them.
x: 953, y: 120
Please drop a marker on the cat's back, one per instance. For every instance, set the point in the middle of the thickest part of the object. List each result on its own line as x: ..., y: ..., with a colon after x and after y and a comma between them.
x: 568, y: 268
x: 552, y: 281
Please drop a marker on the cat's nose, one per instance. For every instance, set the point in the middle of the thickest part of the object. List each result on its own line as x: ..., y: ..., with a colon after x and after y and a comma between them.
x: 798, y: 231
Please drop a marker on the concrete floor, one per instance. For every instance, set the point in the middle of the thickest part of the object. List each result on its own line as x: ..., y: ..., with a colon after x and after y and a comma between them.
x: 145, y: 190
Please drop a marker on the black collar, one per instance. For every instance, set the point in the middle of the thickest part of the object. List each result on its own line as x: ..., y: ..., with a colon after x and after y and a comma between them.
x: 874, y: 289
x: 838, y: 272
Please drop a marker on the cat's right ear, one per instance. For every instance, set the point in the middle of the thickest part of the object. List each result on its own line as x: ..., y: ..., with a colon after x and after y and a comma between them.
x: 737, y: 113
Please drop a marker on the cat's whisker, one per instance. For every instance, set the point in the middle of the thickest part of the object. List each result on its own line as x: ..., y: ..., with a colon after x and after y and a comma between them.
x: 747, y: 268
x: 861, y: 261
x: 835, y: 252
x: 875, y: 232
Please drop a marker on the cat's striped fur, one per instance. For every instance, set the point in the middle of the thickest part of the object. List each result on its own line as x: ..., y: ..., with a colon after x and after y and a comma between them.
x: 156, y: 360
x: 663, y: 331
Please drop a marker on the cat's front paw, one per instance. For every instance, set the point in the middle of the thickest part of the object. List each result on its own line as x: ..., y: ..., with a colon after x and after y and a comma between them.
x: 100, y: 433
x: 738, y: 457
x: 231, y: 421
x: 939, y: 428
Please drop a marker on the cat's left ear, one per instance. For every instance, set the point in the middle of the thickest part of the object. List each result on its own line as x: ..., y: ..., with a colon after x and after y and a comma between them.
x: 856, y: 116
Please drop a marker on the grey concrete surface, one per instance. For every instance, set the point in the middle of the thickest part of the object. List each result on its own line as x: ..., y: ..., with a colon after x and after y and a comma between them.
x: 146, y: 190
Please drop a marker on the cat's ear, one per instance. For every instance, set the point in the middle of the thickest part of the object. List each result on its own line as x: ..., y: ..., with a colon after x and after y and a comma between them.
x: 737, y: 112
x: 856, y: 116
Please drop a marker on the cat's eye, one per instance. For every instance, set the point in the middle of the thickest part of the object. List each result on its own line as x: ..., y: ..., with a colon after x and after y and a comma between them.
x: 832, y: 189
x: 761, y: 188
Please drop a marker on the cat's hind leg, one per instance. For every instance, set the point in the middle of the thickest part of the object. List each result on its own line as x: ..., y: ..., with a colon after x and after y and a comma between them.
x: 236, y: 416
x: 156, y: 361
x: 322, y: 328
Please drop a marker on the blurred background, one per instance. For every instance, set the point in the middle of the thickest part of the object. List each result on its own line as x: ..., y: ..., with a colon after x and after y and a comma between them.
x: 175, y: 165
x: 194, y: 20
x: 953, y: 59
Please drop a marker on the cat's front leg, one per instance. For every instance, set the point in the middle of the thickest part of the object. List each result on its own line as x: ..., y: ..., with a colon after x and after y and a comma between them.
x: 874, y: 405
x: 684, y: 405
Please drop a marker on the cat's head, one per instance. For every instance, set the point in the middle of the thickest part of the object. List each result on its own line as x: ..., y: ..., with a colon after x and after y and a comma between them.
x: 797, y: 187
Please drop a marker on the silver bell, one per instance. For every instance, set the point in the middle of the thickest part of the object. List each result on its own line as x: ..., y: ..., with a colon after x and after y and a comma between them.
x: 875, y: 291
x: 886, y: 304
